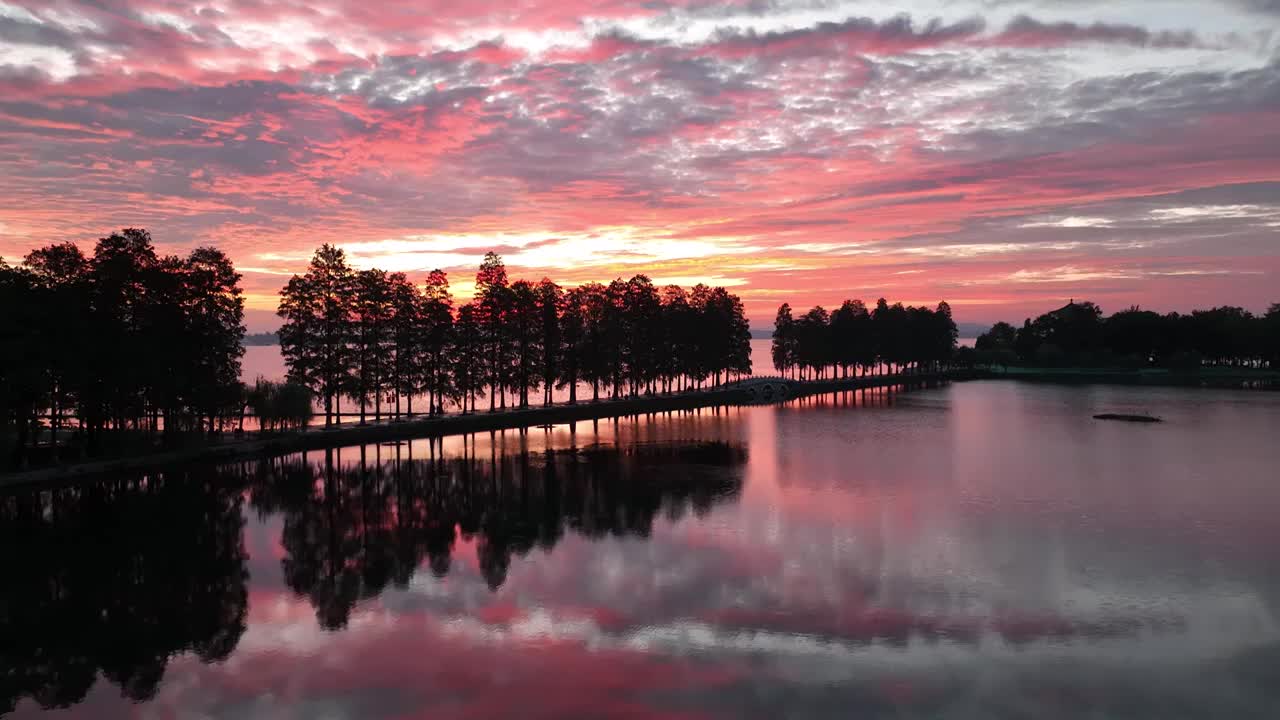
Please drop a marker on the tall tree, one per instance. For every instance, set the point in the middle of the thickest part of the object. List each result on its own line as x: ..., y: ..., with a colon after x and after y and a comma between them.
x: 317, y: 330
x: 468, y: 351
x: 850, y: 337
x: 677, y: 339
x: 62, y: 273
x: 814, y: 333
x: 783, y: 349
x: 437, y: 317
x: 943, y: 335
x: 998, y: 346
x: 372, y: 312
x: 524, y: 328
x: 550, y: 302
x: 122, y: 266
x: 641, y: 316
x: 597, y: 338
x: 573, y: 342
x: 215, y: 332
x: 493, y: 295
x: 22, y: 375
x: 407, y: 328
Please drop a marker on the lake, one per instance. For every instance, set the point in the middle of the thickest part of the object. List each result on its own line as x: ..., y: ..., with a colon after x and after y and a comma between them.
x: 980, y: 550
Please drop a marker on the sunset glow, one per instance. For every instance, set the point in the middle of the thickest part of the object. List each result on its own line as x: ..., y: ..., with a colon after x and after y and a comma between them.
x: 1002, y: 156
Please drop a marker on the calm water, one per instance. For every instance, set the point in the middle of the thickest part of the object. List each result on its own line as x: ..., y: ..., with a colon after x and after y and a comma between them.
x: 984, y: 550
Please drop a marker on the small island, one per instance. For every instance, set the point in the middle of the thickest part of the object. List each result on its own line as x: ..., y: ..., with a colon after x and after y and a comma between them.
x: 1124, y: 417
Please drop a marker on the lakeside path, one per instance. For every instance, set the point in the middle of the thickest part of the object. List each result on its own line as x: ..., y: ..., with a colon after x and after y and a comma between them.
x: 253, y: 445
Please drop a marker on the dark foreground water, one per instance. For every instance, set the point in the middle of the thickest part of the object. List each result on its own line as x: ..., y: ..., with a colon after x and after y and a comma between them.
x: 984, y: 550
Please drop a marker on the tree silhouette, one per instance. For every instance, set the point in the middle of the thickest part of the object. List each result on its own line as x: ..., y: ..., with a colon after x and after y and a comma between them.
x: 851, y: 334
x: 627, y: 338
x: 851, y: 337
x: 1078, y: 335
x: 372, y: 312
x: 22, y: 376
x: 468, y: 355
x: 998, y: 345
x: 676, y: 340
x: 436, y: 337
x: 594, y: 354
x: 407, y: 327
x: 280, y: 405
x: 124, y: 342
x: 493, y: 303
x: 523, y: 326
x: 573, y: 340
x: 550, y: 301
x: 62, y: 274
x: 315, y: 338
x: 783, y: 349
x: 214, y: 333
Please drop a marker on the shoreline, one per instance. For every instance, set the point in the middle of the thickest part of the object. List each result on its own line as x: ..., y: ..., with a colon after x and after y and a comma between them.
x: 347, y: 434
x: 1216, y: 378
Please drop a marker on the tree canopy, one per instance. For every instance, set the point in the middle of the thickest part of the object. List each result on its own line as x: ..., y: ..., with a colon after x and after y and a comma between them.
x: 123, y: 340
x: 853, y: 338
x: 375, y: 337
x: 1079, y: 335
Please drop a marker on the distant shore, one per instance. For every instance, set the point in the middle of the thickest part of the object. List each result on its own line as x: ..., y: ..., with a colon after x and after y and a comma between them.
x: 1212, y: 377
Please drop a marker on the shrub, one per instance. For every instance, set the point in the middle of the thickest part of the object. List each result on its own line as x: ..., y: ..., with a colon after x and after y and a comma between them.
x: 280, y: 406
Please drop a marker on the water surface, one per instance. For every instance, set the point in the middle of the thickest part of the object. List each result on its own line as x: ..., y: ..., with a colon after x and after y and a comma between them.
x: 983, y: 550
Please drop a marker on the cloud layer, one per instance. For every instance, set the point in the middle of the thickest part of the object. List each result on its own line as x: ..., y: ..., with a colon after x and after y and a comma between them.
x: 1000, y: 155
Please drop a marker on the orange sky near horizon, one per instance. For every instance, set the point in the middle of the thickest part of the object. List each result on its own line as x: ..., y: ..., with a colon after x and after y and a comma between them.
x: 1003, y: 157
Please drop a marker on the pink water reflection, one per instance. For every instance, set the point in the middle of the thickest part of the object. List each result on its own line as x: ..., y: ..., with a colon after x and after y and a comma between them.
x: 983, y: 548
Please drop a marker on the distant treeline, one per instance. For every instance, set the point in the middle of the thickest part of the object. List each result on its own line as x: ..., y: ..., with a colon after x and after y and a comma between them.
x: 124, y: 340
x: 853, y: 337
x: 1077, y: 335
x: 259, y: 339
x: 376, y: 337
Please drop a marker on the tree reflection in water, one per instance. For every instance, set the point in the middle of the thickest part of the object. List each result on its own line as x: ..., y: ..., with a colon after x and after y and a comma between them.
x: 350, y: 531
x: 116, y: 578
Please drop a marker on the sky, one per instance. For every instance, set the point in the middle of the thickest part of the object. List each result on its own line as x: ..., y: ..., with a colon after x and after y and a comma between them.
x: 1003, y: 155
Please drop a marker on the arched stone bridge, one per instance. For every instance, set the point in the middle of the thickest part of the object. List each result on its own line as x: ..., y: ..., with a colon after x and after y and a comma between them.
x: 767, y: 389
x: 763, y: 390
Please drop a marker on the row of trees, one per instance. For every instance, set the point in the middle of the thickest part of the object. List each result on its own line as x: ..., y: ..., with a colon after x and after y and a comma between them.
x: 1078, y: 335
x: 890, y: 337
x: 125, y: 339
x: 377, y: 338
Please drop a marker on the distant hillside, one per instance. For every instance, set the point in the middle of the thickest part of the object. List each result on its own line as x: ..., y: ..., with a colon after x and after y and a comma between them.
x: 267, y: 338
